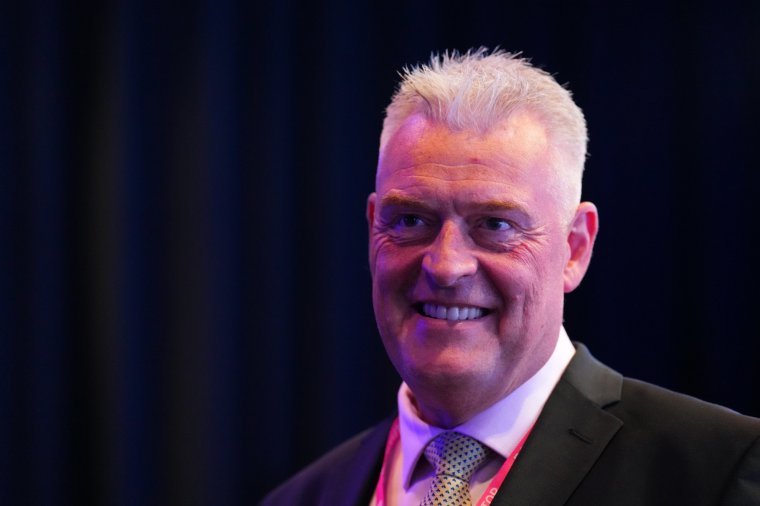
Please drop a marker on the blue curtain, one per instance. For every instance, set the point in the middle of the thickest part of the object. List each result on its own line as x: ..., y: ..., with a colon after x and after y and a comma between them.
x: 185, y: 314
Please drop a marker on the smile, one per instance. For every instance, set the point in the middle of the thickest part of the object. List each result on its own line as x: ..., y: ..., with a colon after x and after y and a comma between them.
x: 451, y: 313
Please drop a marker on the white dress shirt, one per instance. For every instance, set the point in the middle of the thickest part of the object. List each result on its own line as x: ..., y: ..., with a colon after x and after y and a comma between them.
x: 500, y: 427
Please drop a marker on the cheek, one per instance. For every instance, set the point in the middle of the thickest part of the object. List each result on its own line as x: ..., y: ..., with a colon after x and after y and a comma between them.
x: 525, y: 284
x: 393, y: 266
x: 541, y: 267
x: 510, y: 274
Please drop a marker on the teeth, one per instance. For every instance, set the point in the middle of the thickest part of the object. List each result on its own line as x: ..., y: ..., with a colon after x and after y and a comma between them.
x: 453, y: 313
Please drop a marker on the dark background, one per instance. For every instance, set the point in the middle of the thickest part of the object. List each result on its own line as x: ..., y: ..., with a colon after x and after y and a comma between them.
x: 185, y: 314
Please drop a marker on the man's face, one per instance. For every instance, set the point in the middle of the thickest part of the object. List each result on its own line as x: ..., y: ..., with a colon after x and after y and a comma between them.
x: 468, y: 251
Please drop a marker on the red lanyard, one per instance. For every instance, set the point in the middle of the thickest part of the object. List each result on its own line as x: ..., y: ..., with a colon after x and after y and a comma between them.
x: 393, y: 439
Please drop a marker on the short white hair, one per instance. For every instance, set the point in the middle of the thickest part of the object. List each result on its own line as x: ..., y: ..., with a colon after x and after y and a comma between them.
x: 479, y: 89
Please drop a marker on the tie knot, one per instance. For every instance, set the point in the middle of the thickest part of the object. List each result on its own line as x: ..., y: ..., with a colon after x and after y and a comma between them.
x: 455, y: 454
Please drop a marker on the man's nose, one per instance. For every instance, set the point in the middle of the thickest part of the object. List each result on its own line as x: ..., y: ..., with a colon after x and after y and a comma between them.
x: 449, y: 258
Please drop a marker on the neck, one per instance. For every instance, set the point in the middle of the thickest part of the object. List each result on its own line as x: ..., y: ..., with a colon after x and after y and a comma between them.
x: 451, y: 409
x: 447, y: 402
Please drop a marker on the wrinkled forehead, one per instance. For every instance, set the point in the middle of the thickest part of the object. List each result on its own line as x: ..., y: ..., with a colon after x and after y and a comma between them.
x: 518, y: 141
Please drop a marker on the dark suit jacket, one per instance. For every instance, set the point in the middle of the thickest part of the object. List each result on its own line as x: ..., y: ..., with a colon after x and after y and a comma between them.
x: 601, y: 439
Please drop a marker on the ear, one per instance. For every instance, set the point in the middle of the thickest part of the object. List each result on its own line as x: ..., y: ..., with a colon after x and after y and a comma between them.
x: 371, y: 200
x: 580, y: 240
x: 371, y: 209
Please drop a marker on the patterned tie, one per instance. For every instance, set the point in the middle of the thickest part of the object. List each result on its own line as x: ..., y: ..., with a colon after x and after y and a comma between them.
x: 455, y: 458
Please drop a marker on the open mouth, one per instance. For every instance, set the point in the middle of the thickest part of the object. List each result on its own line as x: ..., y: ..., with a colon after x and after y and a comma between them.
x: 451, y: 313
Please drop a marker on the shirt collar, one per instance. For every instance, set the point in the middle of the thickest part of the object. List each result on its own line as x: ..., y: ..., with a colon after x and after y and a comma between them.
x: 500, y: 426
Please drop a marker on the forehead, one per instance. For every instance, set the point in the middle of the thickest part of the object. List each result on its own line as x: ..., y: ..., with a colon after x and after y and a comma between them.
x: 513, y: 150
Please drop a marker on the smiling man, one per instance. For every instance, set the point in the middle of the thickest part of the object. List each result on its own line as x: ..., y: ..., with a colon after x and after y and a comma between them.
x: 477, y: 232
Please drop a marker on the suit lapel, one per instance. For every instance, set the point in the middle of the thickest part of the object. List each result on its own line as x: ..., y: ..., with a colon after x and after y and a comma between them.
x: 568, y: 437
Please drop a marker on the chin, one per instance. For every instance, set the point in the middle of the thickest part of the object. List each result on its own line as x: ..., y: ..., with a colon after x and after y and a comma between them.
x: 452, y: 372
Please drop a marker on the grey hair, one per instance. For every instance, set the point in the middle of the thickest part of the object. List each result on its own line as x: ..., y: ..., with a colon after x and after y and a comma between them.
x: 479, y: 89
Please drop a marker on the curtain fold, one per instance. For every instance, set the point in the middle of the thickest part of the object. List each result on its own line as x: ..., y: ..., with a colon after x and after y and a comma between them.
x: 185, y: 311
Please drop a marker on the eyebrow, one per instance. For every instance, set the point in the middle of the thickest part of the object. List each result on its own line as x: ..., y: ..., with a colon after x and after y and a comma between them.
x: 499, y: 205
x: 402, y: 201
x: 488, y: 205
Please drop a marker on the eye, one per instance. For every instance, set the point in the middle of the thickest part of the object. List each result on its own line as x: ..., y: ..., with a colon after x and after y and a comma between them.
x: 410, y: 228
x: 410, y: 221
x: 496, y: 224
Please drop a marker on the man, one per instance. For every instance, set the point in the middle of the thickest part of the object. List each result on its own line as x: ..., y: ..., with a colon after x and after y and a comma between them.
x: 476, y: 233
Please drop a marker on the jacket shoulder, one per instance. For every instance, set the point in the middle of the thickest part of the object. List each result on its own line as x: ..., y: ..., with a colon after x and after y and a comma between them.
x: 651, y: 407
x: 655, y: 406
